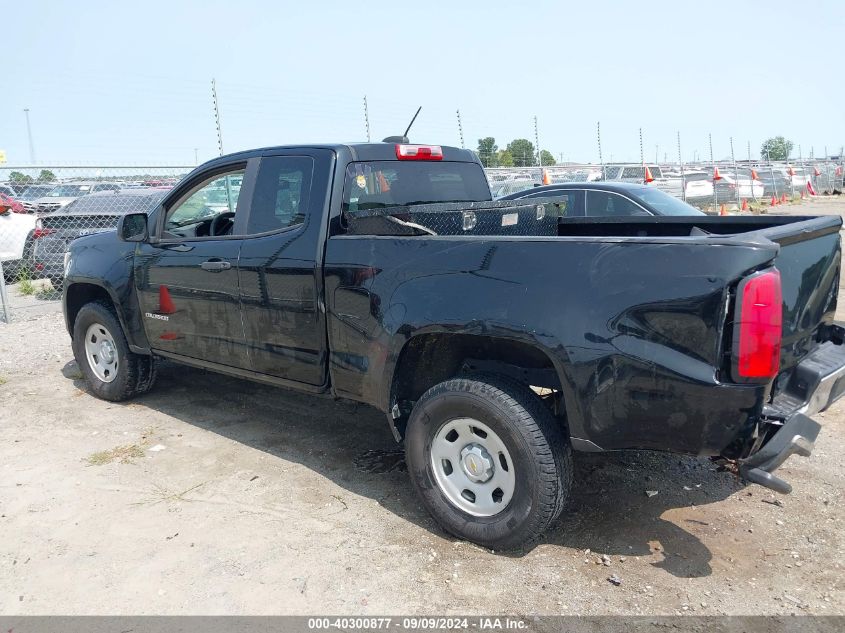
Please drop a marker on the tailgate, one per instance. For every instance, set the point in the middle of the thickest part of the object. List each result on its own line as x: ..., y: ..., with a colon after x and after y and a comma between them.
x: 809, y: 263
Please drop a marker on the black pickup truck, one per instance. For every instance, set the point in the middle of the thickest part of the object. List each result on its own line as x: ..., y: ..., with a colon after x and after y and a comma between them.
x: 497, y: 337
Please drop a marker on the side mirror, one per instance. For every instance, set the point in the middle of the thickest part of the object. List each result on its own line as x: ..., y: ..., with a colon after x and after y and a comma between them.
x: 132, y: 227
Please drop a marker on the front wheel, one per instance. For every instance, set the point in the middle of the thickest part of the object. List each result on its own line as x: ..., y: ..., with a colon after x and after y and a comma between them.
x: 112, y: 371
x: 489, y: 460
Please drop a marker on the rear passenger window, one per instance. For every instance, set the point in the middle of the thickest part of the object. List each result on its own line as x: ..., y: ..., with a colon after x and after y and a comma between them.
x: 632, y: 173
x: 281, y: 193
x: 564, y: 202
x: 606, y: 204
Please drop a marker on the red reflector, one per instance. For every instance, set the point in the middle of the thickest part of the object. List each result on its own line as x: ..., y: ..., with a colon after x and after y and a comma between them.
x: 760, y: 324
x: 41, y: 233
x: 419, y: 152
x: 39, y: 266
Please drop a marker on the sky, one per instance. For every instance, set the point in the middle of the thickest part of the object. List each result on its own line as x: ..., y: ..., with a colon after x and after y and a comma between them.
x: 118, y: 83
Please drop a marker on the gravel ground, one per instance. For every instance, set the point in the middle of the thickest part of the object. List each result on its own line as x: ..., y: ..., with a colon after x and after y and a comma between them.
x: 212, y: 495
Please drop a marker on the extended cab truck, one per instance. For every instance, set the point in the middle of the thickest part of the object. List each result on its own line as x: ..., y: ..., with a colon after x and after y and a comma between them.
x: 497, y: 337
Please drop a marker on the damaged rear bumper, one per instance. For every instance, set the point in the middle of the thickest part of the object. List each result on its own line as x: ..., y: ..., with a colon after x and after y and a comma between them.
x: 817, y: 382
x: 796, y: 437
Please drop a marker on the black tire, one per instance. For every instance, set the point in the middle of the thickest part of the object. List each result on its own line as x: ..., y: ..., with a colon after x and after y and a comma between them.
x: 135, y: 373
x: 538, y: 447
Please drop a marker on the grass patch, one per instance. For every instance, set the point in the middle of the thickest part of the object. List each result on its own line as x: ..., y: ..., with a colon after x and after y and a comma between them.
x: 125, y: 454
x: 160, y: 494
x: 48, y: 293
x: 120, y: 454
x: 25, y: 285
x: 3, y: 380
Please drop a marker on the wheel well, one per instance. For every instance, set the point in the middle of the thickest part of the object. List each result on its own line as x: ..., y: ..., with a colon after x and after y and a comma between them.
x: 429, y: 359
x: 80, y: 294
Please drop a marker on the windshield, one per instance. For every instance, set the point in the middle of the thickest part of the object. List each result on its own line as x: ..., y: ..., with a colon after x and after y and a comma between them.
x: 69, y: 191
x: 663, y: 203
x: 379, y: 184
x: 31, y: 193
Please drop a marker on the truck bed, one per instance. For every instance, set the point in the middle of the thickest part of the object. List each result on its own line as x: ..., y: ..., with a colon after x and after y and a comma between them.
x: 635, y: 313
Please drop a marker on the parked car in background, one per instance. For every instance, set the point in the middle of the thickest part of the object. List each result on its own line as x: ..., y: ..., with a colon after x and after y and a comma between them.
x: 64, y: 194
x: 93, y: 213
x: 775, y: 182
x: 604, y: 199
x: 30, y: 194
x: 738, y: 184
x: 509, y: 187
x: 698, y: 186
x: 7, y: 190
x: 13, y: 205
x: 16, y: 236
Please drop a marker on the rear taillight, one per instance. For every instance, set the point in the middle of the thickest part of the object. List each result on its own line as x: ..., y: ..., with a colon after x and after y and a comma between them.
x: 419, y: 152
x: 758, y: 327
x: 40, y: 231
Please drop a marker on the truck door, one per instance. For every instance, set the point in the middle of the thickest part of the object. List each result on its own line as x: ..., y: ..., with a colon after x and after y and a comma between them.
x: 187, y: 280
x: 280, y: 265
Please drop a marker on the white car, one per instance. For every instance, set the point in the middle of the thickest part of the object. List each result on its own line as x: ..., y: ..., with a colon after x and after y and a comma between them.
x: 16, y: 239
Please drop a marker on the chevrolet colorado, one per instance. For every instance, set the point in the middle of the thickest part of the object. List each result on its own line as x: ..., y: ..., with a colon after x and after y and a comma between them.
x: 497, y: 337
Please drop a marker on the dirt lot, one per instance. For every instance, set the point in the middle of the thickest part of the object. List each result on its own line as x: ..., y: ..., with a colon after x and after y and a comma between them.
x: 212, y: 495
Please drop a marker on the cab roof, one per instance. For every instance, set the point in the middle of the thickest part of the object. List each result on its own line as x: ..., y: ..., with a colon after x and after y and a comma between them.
x: 349, y: 152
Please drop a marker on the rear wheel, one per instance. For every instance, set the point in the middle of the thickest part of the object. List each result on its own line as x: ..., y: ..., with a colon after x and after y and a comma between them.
x: 489, y: 460
x: 99, y: 345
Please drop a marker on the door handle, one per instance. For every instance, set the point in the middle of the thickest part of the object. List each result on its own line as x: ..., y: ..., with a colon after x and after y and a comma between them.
x: 215, y: 265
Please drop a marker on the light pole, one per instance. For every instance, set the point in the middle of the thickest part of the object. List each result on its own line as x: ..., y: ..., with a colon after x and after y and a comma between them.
x: 29, y: 136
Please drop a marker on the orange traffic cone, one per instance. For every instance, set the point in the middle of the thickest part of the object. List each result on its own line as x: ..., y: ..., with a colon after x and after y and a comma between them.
x: 810, y: 189
x: 744, y: 205
x: 754, y: 175
x: 783, y: 198
x: 790, y: 171
x: 723, y: 210
x: 165, y: 303
x: 816, y: 172
x: 716, y: 174
x: 648, y: 177
x: 774, y: 201
x: 546, y: 179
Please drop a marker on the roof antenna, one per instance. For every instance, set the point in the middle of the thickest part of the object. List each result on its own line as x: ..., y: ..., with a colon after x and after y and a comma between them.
x: 404, y: 137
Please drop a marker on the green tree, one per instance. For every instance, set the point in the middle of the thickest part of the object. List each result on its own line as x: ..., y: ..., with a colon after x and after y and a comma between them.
x: 487, y: 149
x: 776, y: 148
x: 46, y: 176
x: 522, y: 151
x: 19, y: 178
x: 548, y: 159
x: 504, y: 158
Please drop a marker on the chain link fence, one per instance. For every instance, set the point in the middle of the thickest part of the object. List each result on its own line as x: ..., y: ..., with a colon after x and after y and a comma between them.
x: 44, y: 208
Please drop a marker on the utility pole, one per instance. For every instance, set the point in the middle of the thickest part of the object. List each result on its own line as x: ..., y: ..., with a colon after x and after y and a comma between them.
x: 598, y: 138
x: 460, y: 129
x: 681, y: 163
x: 537, y: 142
x: 366, y: 118
x: 736, y: 172
x: 217, y: 116
x: 713, y: 165
x: 29, y: 136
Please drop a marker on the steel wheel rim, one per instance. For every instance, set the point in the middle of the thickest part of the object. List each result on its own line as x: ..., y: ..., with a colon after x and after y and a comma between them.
x: 101, y: 352
x: 472, y: 467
